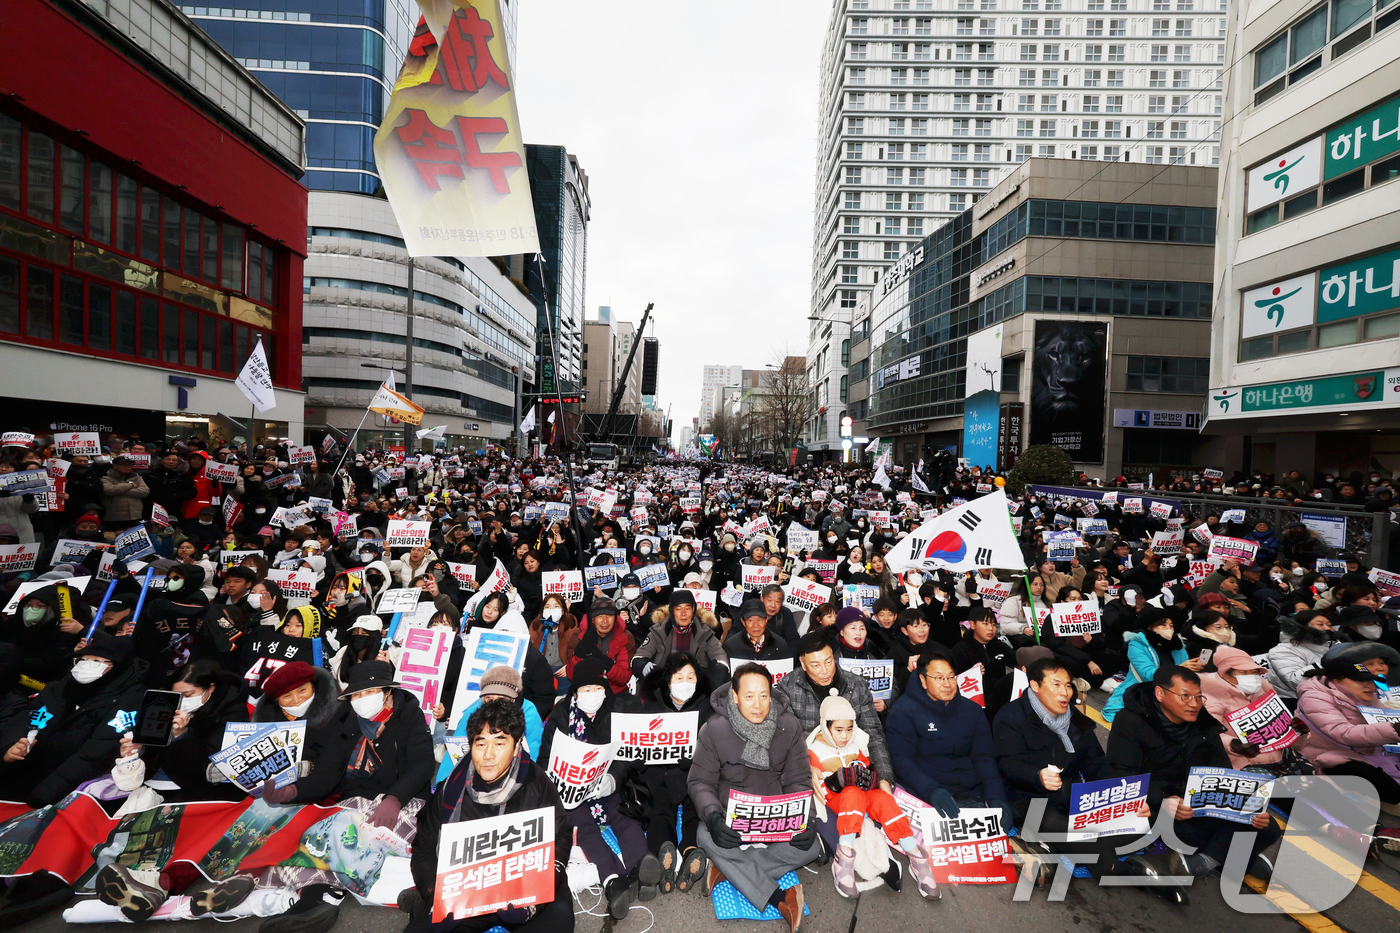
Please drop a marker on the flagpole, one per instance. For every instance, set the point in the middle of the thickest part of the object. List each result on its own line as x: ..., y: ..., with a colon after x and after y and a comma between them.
x: 349, y: 445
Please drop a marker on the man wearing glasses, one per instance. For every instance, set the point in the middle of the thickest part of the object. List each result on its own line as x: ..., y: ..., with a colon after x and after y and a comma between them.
x: 1163, y: 729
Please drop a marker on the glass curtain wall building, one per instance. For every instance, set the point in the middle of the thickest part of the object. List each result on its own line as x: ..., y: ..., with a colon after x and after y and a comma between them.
x: 334, y: 62
x: 560, y: 190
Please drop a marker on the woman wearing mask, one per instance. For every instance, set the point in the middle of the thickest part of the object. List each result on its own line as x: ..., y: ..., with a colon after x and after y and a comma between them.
x: 1340, y: 740
x: 585, y: 715
x: 1237, y: 682
x: 1155, y: 645
x: 268, y: 604
x: 528, y: 584
x: 682, y: 562
x: 210, y: 697
x: 364, y: 643
x: 1208, y: 631
x: 673, y: 687
x: 634, y: 607
x: 727, y: 568
x: 548, y: 629
x: 1357, y: 619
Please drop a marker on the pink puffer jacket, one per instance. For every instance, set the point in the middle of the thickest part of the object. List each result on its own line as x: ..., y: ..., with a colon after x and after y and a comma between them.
x: 1339, y: 733
x: 1223, y: 698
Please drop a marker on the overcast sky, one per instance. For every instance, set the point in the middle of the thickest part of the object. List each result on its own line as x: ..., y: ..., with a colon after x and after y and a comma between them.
x: 696, y: 123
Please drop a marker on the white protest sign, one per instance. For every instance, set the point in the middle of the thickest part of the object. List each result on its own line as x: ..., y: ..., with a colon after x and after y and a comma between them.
x: 301, y: 454
x: 577, y: 768
x: 487, y: 648
x: 406, y: 533
x: 425, y: 665
x: 1160, y: 510
x: 464, y: 574
x: 802, y: 595
x: 1239, y: 549
x: 758, y: 576
x: 16, y: 557
x: 800, y: 538
x: 1133, y: 505
x: 295, y: 584
x: 970, y: 685
x: 221, y: 472
x: 565, y: 583
x: 779, y: 668
x: 82, y: 443
x: 1081, y: 618
x: 993, y: 592
x: 705, y: 599
x: 655, y: 738
x: 653, y: 575
x: 1166, y: 542
x: 398, y: 600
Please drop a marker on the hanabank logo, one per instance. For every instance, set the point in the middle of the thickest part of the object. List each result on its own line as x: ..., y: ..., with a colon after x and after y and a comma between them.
x: 1365, y: 385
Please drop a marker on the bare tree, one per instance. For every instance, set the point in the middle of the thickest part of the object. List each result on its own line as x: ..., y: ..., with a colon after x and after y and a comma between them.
x: 788, y: 401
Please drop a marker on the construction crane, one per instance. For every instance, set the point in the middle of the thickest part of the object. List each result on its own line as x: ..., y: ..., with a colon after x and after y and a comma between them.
x: 622, y: 376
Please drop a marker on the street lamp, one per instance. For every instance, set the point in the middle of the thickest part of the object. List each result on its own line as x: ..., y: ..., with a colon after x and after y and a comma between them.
x: 406, y: 426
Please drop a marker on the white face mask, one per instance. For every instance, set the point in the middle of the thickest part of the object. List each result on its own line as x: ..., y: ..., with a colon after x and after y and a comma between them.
x: 367, y: 556
x: 705, y: 565
x: 644, y: 550
x: 1249, y: 684
x: 339, y: 599
x: 683, y: 553
x: 630, y: 593
x: 190, y: 704
x: 298, y: 711
x: 88, y: 670
x: 552, y: 613
x: 254, y: 600
x: 1369, y: 632
x: 913, y: 579
x: 592, y: 701
x: 682, y: 692
x: 368, y: 707
x: 1130, y: 597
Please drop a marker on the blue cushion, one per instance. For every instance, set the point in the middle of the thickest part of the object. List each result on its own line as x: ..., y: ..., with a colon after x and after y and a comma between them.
x: 731, y: 905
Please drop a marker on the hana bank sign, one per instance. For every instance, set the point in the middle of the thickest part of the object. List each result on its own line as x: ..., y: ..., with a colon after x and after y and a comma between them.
x: 1298, y: 169
x: 1379, y: 388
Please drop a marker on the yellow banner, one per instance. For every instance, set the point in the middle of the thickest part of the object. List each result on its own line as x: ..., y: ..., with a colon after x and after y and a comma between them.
x: 450, y: 151
x: 388, y: 402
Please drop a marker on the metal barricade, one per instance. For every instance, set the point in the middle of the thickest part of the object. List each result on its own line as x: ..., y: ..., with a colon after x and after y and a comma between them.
x: 1341, y: 527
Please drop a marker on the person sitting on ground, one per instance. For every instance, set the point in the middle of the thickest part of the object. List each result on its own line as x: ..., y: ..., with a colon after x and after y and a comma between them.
x: 1340, y: 740
x: 752, y: 745
x: 1237, y: 681
x: 676, y: 630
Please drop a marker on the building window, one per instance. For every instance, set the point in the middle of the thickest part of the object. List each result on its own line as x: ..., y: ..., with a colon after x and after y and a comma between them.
x: 1091, y: 103
x: 850, y: 249
x: 982, y: 177
x: 855, y: 126
x: 1184, y: 375
x: 857, y: 51
x: 1093, y: 53
x: 1011, y: 374
x: 982, y: 153
x: 852, y: 201
x: 1092, y: 77
x: 959, y: 152
x: 957, y: 177
x: 1089, y: 153
x: 892, y: 249
x: 845, y: 386
x: 848, y: 298
x: 848, y: 275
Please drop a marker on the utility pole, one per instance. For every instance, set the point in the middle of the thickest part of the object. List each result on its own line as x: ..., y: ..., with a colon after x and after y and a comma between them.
x: 408, y: 359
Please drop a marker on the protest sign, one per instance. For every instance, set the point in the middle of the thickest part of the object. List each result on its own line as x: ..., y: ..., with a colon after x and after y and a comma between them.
x: 1200, y: 569
x: 1166, y: 542
x: 1081, y: 618
x: 1375, y: 714
x: 565, y: 583
x: 464, y: 574
x: 756, y: 576
x: 779, y: 668
x: 1160, y: 510
x: 618, y: 555
x: 1330, y: 568
x: 486, y: 648
x: 1213, y: 475
x: 73, y: 550
x: 221, y: 472
x: 31, y: 482
x: 16, y: 439
x: 1109, y: 498
x: 758, y: 525
x: 774, y: 818
x: 1227, y: 795
x: 1108, y: 808
x: 1223, y: 549
x: 970, y: 685
x: 860, y: 595
x: 800, y: 538
x: 290, y: 518
x: 1132, y: 506
x: 1266, y: 722
x: 256, y: 752
x: 404, y: 599
x: 705, y: 599
x: 295, y: 584
x: 405, y: 533
x: 969, y: 848
x: 826, y: 569
x: 83, y: 443
x: 654, y: 738
x: 301, y: 454
x: 653, y: 575
x: 490, y: 864
x: 993, y: 592
x: 320, y: 506
x: 802, y: 595
x: 879, y: 675
x: 556, y: 512
x: 1202, y: 534
x: 690, y: 504
x: 159, y: 516
x: 1388, y: 583
x: 425, y: 664
x: 603, y: 578
x: 134, y: 542
x: 498, y: 581
x: 1232, y: 515
x: 233, y: 558
x: 577, y: 768
x: 16, y: 557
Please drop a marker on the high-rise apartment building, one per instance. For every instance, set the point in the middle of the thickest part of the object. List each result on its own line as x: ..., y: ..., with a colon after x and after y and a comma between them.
x: 926, y: 104
x: 334, y: 63
x: 714, y: 378
x: 558, y: 278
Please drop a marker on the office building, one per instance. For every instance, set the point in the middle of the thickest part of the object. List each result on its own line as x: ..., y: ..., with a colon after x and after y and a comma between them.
x: 557, y: 282
x: 151, y: 227
x: 1305, y: 365
x: 474, y: 329
x: 713, y: 378
x: 1071, y: 307
x: 925, y: 107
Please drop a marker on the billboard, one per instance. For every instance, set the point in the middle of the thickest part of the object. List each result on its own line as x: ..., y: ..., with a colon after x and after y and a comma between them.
x: 1068, y: 387
x: 982, y: 394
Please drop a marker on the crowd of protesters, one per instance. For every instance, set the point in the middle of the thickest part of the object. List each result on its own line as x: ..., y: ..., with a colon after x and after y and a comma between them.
x: 1177, y: 653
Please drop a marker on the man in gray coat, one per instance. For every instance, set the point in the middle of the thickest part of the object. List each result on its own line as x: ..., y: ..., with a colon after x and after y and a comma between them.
x: 679, y: 631
x: 751, y: 745
x: 123, y: 490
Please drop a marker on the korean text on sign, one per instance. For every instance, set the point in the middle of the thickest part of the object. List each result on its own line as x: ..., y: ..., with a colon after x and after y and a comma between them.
x: 768, y: 818
x: 488, y: 864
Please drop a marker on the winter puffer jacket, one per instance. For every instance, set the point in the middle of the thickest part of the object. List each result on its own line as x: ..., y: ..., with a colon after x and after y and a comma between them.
x: 1143, y: 661
x: 947, y: 746
x: 80, y: 728
x: 404, y: 752
x: 1025, y: 746
x: 186, y: 759
x: 1223, y: 698
x: 1338, y: 733
x: 1288, y: 661
x: 42, y: 652
x: 719, y: 766
x: 332, y: 731
x: 1139, y: 743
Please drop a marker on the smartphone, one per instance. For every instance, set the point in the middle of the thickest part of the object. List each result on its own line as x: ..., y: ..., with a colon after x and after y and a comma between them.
x: 156, y: 719
x: 1204, y: 656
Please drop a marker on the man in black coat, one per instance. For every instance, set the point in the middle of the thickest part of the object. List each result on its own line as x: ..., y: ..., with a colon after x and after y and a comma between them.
x: 1163, y: 729
x: 981, y: 644
x: 1043, y: 746
x: 495, y: 779
x: 170, y: 484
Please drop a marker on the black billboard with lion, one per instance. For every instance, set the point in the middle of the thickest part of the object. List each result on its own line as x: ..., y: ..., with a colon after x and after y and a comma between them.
x: 1067, y: 395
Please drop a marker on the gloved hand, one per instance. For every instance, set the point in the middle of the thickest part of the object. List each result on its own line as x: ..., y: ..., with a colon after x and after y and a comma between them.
x: 865, y: 778
x: 1244, y: 749
x: 386, y: 815
x: 1009, y: 816
x: 515, y: 916
x: 836, y: 781
x: 606, y: 787
x: 721, y: 833
x: 804, y: 839
x: 278, y: 795
x: 648, y: 668
x: 943, y: 802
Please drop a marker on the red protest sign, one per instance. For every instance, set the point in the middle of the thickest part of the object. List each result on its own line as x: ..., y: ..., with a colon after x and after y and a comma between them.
x: 493, y: 863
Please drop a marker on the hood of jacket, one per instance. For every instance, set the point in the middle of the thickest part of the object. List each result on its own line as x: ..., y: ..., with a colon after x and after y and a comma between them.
x: 324, y: 703
x: 193, y: 575
x: 1290, y: 628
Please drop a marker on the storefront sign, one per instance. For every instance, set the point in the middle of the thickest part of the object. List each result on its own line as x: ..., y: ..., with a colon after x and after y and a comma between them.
x: 1298, y: 169
x: 1145, y: 418
x: 901, y: 270
x: 1362, y: 286
x: 1363, y: 139
x: 1279, y: 306
x: 1377, y: 387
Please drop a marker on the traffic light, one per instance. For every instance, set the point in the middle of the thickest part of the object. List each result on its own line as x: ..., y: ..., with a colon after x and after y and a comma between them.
x: 846, y: 426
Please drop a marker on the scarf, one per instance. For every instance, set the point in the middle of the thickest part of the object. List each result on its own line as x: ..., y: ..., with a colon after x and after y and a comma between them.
x: 1056, y: 724
x: 489, y: 795
x: 757, y: 737
x: 680, y: 638
x: 578, y: 729
x: 1176, y: 731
